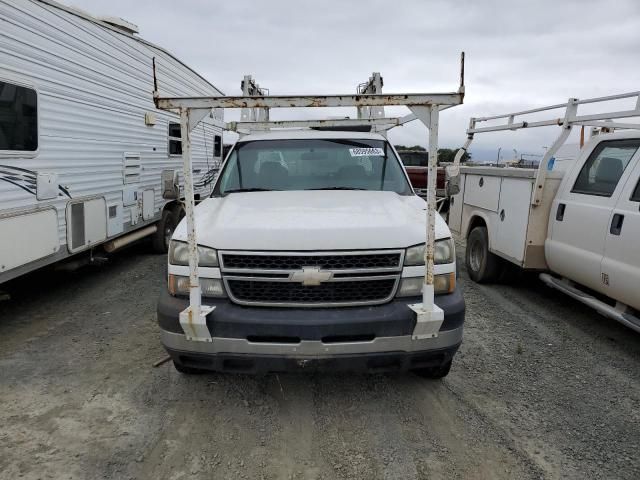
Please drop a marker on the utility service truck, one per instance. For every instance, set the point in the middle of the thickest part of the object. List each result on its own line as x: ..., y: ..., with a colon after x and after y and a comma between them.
x: 313, y: 251
x: 576, y: 221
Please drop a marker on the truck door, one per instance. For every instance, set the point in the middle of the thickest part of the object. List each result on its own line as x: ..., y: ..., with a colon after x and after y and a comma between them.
x: 581, y: 214
x: 621, y: 262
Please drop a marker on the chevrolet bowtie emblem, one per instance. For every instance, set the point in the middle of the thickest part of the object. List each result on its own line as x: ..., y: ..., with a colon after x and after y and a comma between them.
x: 309, y: 276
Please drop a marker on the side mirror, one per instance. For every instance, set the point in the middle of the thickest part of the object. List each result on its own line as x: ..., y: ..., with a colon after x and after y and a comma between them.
x: 170, y: 185
x: 453, y: 180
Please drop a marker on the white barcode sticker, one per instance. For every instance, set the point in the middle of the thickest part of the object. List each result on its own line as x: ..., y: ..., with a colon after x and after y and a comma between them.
x: 366, y: 152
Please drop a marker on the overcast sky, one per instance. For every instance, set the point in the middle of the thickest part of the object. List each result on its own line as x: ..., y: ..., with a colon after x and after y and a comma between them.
x: 520, y: 54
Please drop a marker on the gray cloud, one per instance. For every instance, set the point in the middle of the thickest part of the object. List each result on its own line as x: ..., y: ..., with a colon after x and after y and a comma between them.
x: 519, y: 54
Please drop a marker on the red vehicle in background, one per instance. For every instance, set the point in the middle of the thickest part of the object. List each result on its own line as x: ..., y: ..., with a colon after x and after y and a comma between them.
x: 415, y: 162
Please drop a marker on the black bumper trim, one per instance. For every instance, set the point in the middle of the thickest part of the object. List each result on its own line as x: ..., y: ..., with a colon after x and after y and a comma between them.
x: 229, y: 320
x: 369, y: 362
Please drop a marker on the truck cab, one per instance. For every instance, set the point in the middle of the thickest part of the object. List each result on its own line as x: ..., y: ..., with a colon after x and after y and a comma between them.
x: 594, y: 225
x: 311, y: 250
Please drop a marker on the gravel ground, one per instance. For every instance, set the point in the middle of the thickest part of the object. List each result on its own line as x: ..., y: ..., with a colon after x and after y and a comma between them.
x: 541, y: 388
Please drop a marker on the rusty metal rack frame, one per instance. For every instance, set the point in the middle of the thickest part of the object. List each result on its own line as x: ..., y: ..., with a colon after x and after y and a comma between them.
x: 378, y: 124
x: 424, y: 106
x: 566, y: 122
x: 375, y: 123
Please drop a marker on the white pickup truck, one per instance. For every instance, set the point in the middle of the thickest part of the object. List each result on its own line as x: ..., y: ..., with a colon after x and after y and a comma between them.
x: 580, y: 225
x: 311, y: 249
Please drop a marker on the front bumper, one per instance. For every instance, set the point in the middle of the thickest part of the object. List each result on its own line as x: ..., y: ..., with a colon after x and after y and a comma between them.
x: 250, y: 339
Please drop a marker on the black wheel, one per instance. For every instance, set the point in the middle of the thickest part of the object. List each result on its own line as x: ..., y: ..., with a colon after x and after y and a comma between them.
x: 482, y: 265
x: 188, y: 370
x: 434, y: 373
x: 166, y: 226
x: 180, y: 213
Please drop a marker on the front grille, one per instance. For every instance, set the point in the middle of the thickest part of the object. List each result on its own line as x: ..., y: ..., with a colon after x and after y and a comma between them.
x: 354, y: 291
x: 290, y: 279
x: 326, y: 262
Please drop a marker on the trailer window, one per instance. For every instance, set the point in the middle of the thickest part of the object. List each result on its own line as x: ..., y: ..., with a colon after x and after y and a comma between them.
x: 18, y: 118
x: 603, y: 169
x: 217, y: 146
x: 175, y: 139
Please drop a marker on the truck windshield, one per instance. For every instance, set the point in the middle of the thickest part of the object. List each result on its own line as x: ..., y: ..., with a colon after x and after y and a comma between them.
x: 312, y: 164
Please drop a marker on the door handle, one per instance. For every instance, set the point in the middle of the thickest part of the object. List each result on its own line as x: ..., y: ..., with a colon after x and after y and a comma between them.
x: 560, y: 212
x: 616, y: 224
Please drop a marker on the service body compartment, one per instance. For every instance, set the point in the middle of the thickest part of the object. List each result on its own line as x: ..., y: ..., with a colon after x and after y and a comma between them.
x: 500, y: 198
x: 482, y: 191
x: 513, y: 218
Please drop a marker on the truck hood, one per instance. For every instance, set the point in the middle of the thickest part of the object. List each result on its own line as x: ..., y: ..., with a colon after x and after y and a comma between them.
x: 318, y: 220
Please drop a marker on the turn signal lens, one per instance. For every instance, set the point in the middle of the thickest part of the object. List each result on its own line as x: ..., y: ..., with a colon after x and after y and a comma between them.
x: 210, y: 287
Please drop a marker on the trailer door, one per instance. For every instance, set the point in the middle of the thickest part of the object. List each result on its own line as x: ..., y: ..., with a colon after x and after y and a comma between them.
x: 621, y: 262
x: 581, y: 214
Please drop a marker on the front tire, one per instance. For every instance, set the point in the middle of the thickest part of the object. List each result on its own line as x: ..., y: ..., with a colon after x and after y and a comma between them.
x: 482, y: 265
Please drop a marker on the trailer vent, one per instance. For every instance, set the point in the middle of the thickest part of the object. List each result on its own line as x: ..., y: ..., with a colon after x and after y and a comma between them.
x: 131, y: 168
x: 77, y: 225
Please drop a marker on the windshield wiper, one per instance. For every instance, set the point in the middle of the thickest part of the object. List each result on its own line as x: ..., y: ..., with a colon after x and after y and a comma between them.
x: 337, y: 188
x: 242, y: 190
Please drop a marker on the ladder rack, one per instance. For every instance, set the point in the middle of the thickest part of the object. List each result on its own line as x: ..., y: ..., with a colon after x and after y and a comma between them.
x: 566, y: 122
x: 423, y: 106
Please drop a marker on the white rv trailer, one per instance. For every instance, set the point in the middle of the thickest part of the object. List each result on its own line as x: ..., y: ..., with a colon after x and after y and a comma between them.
x: 85, y: 157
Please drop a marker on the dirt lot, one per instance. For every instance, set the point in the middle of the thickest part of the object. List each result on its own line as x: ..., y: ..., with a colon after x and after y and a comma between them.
x: 542, y: 388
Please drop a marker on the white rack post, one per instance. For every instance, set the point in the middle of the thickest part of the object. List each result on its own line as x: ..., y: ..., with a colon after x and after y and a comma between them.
x: 194, y: 318
x: 424, y: 106
x: 428, y: 289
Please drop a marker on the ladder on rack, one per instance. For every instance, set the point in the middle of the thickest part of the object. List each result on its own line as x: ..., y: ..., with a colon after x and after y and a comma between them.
x: 566, y: 122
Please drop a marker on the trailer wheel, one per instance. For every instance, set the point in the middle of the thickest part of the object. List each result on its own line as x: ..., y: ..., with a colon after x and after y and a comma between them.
x: 482, y: 265
x: 166, y: 226
x: 434, y: 373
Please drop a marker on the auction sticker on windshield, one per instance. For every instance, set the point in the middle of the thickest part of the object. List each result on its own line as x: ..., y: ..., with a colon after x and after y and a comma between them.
x: 366, y: 152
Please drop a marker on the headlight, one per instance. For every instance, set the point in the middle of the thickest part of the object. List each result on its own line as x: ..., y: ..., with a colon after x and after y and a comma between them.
x: 210, y: 287
x: 444, y: 252
x: 412, y: 287
x: 178, y: 255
